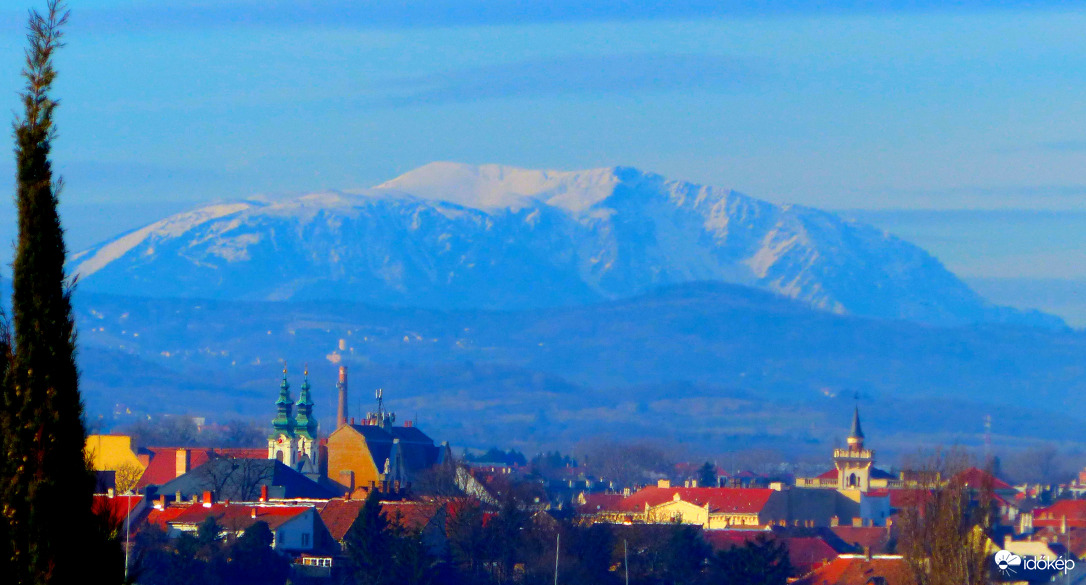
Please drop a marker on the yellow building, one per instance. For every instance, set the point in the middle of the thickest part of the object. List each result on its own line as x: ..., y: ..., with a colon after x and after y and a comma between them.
x: 111, y: 452
x: 114, y: 453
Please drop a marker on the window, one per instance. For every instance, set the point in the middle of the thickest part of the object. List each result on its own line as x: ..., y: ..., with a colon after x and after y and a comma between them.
x: 305, y: 539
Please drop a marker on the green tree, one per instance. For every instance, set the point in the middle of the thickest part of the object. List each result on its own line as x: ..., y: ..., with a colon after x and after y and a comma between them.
x: 683, y: 556
x: 48, y: 485
x: 368, y: 545
x: 252, y: 559
x: 762, y: 561
x: 467, y: 539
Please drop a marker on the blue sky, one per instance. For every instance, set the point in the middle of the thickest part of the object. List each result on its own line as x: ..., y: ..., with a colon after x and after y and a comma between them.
x: 939, y: 116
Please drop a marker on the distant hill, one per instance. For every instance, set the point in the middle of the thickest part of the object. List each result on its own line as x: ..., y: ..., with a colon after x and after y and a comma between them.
x: 453, y: 236
x: 715, y: 365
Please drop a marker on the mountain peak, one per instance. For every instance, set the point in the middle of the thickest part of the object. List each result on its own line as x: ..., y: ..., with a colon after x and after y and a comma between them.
x: 491, y: 186
x: 490, y: 236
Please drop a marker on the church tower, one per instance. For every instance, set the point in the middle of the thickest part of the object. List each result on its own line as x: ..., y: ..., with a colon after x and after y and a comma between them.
x: 282, y: 443
x: 305, y: 426
x: 854, y: 464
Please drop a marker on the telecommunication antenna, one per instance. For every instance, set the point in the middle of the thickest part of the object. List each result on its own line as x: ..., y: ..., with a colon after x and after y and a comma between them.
x: 988, y: 438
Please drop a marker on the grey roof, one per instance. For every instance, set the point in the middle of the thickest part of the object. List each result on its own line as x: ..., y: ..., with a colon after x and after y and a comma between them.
x: 407, y: 449
x: 856, y: 431
x: 241, y: 480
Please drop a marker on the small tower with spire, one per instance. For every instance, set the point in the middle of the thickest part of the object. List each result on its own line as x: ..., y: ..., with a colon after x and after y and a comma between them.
x: 282, y: 443
x: 305, y: 426
x: 854, y: 463
x: 856, y: 433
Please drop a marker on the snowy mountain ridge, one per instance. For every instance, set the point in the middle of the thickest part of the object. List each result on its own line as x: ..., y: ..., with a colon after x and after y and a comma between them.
x: 450, y: 235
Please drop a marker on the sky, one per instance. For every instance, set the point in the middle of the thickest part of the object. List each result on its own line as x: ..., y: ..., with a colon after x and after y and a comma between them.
x: 958, y: 125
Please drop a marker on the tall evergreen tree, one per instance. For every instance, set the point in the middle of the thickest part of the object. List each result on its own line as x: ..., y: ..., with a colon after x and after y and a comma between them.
x: 368, y: 545
x: 47, y: 482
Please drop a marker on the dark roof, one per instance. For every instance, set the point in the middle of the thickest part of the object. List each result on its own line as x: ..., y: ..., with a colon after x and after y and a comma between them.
x: 856, y: 431
x: 241, y: 480
x: 411, y: 435
x: 877, y: 473
x: 407, y: 449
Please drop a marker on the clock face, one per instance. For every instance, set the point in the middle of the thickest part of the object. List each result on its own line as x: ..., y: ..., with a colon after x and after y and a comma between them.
x: 280, y: 439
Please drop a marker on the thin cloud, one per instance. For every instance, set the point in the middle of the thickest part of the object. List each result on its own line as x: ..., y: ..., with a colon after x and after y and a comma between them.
x: 577, y: 75
x: 440, y: 13
x: 1064, y: 146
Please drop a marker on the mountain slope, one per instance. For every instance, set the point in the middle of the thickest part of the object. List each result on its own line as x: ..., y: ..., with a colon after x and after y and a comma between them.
x: 457, y: 236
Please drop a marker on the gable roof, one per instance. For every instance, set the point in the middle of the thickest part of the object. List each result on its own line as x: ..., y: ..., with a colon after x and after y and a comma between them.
x: 339, y: 514
x: 410, y: 514
x: 858, y: 570
x: 118, y: 507
x: 909, y: 498
x: 237, y: 517
x: 1073, y: 510
x: 978, y: 478
x: 873, y: 538
x: 733, y: 500
x: 804, y: 552
x: 162, y: 466
x: 242, y: 479
x: 600, y: 503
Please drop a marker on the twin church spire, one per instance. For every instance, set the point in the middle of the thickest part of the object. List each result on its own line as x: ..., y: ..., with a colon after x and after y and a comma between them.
x: 302, y: 424
x: 294, y: 436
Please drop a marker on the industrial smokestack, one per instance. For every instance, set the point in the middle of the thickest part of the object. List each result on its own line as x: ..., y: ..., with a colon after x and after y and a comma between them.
x: 341, y: 413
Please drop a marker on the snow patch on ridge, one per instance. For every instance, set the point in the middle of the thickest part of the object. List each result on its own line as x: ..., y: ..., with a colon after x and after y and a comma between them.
x: 170, y: 227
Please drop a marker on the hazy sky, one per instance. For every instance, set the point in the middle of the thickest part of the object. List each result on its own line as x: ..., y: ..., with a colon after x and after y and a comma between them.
x: 871, y: 106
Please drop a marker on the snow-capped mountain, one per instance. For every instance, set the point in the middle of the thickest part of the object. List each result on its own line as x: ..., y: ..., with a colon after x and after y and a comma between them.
x: 458, y: 236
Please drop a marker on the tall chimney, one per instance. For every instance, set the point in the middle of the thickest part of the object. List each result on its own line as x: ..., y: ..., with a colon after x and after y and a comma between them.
x: 341, y: 413
x: 181, y: 466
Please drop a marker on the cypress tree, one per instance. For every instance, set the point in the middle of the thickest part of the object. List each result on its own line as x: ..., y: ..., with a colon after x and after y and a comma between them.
x: 48, y: 484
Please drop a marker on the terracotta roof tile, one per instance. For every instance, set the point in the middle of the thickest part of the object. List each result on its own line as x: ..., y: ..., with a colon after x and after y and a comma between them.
x: 601, y: 503
x: 338, y: 515
x: 857, y: 570
x: 737, y: 500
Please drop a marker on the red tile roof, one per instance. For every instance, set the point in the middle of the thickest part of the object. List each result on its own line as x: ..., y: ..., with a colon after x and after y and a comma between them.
x: 804, y: 552
x: 600, y: 503
x: 117, y: 506
x: 241, y: 452
x: 162, y: 518
x: 411, y: 515
x: 237, y: 517
x: 874, y: 538
x: 909, y: 498
x: 828, y: 474
x: 1073, y: 510
x: 977, y: 478
x: 163, y: 464
x: 807, y: 552
x: 857, y: 570
x: 338, y: 515
x: 737, y: 500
